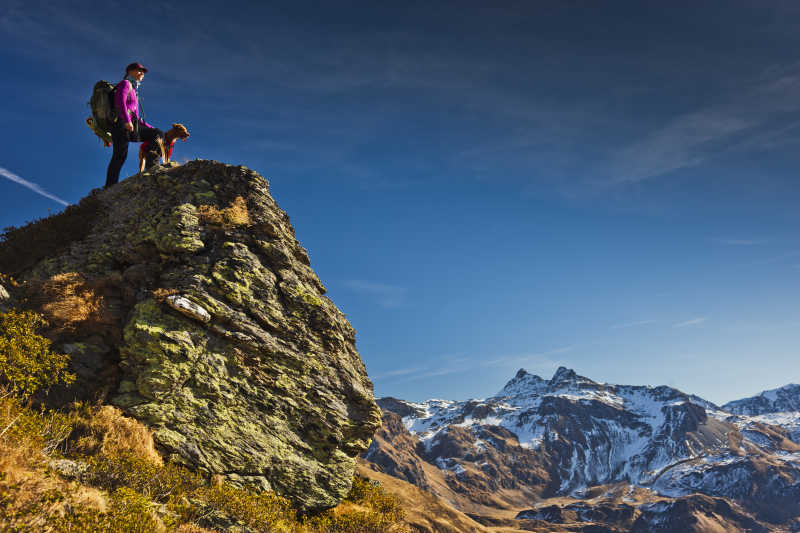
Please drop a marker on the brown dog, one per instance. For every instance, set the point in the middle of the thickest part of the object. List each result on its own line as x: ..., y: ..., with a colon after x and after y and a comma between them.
x: 178, y: 131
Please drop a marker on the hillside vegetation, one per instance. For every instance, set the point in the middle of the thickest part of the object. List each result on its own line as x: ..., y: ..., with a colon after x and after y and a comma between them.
x: 88, y: 468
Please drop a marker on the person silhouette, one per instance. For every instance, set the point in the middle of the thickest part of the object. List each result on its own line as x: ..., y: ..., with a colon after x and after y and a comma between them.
x: 129, y: 126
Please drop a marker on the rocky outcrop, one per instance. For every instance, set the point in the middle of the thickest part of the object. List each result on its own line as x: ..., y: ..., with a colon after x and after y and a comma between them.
x: 184, y: 297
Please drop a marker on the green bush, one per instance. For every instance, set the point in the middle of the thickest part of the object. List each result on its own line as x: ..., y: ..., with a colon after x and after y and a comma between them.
x: 160, y: 483
x: 260, y: 511
x: 128, y: 512
x: 373, y: 495
x: 35, y: 430
x: 26, y: 363
x: 372, y: 510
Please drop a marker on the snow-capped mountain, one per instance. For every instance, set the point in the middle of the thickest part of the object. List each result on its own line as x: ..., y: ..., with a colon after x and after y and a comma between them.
x: 601, y: 433
x: 781, y: 400
x: 539, y: 438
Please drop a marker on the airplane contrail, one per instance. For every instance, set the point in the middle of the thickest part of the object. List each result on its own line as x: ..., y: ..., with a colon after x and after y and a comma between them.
x: 32, y: 186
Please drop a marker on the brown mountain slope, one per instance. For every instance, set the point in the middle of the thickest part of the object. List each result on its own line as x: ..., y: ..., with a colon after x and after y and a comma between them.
x: 425, y: 512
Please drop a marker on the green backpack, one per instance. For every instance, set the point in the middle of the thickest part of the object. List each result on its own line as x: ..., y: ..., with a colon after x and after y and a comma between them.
x: 103, y: 113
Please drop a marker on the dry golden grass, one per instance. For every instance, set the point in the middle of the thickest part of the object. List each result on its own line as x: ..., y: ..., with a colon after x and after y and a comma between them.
x: 67, y: 300
x: 126, y: 487
x: 424, y: 511
x: 29, y: 494
x: 106, y: 430
x: 75, y: 305
x: 234, y: 215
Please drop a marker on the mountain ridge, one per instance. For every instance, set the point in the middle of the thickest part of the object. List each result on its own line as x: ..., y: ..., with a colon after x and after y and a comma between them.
x: 568, y: 436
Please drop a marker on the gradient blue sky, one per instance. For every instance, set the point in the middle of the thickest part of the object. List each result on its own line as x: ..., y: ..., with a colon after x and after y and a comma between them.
x: 482, y: 186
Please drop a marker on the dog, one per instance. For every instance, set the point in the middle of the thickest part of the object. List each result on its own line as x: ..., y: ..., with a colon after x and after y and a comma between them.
x: 148, y: 156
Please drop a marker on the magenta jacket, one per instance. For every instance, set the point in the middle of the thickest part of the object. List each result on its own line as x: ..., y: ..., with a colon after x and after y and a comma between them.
x: 127, y: 103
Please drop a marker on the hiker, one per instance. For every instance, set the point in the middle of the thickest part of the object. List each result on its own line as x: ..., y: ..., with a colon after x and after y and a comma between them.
x: 128, y: 126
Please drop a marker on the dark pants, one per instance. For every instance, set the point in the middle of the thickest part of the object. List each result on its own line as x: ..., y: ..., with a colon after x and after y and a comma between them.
x: 120, y: 137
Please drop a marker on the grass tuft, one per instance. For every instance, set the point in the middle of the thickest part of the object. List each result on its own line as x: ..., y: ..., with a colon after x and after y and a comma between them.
x: 234, y: 215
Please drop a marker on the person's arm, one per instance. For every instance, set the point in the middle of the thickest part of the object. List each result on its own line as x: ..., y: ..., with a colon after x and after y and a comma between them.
x: 120, y: 98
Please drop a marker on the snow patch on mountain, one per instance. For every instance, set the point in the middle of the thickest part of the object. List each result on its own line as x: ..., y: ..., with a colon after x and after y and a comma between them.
x: 597, y: 433
x: 783, y: 399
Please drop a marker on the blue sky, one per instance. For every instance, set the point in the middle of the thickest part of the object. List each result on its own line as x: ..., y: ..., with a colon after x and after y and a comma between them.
x: 482, y: 186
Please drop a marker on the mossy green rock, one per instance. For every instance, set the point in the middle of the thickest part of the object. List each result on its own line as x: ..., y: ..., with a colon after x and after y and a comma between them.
x: 220, y: 337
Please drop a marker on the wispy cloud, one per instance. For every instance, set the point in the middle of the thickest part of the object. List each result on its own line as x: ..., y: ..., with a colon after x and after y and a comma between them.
x: 30, y: 185
x: 740, y: 121
x: 692, y: 322
x: 777, y: 258
x: 388, y: 296
x: 741, y: 242
x: 397, y: 373
x: 682, y: 143
x: 540, y: 361
x: 449, y: 365
x: 633, y: 324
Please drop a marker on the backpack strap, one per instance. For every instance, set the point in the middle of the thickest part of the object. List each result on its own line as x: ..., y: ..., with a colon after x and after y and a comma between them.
x: 138, y: 98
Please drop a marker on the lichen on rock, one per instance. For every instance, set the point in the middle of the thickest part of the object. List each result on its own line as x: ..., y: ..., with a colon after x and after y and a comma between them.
x: 210, y: 327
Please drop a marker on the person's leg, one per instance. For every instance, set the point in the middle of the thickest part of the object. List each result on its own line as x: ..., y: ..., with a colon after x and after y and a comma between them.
x: 119, y: 138
x: 155, y: 139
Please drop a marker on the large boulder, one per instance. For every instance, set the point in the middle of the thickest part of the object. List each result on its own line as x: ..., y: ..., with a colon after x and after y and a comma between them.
x: 184, y: 298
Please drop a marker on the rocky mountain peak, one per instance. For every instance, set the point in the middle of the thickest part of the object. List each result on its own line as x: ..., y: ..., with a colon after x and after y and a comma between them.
x: 525, y: 383
x: 563, y: 374
x: 592, y: 447
x: 566, y: 377
x: 521, y: 382
x: 184, y: 298
x: 783, y: 399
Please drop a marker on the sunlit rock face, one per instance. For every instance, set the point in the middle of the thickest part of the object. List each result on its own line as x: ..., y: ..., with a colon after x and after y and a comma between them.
x: 183, y: 297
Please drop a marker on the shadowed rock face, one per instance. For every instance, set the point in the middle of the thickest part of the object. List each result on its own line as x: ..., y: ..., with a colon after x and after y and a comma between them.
x: 695, y: 513
x: 189, y: 301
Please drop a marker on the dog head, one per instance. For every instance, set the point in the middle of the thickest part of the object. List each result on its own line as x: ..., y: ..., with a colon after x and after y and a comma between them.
x: 180, y: 131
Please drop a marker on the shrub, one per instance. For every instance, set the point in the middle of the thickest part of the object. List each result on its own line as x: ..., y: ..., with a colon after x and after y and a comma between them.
x: 29, y: 497
x: 127, y: 470
x: 368, y: 508
x: 260, y: 511
x: 26, y: 363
